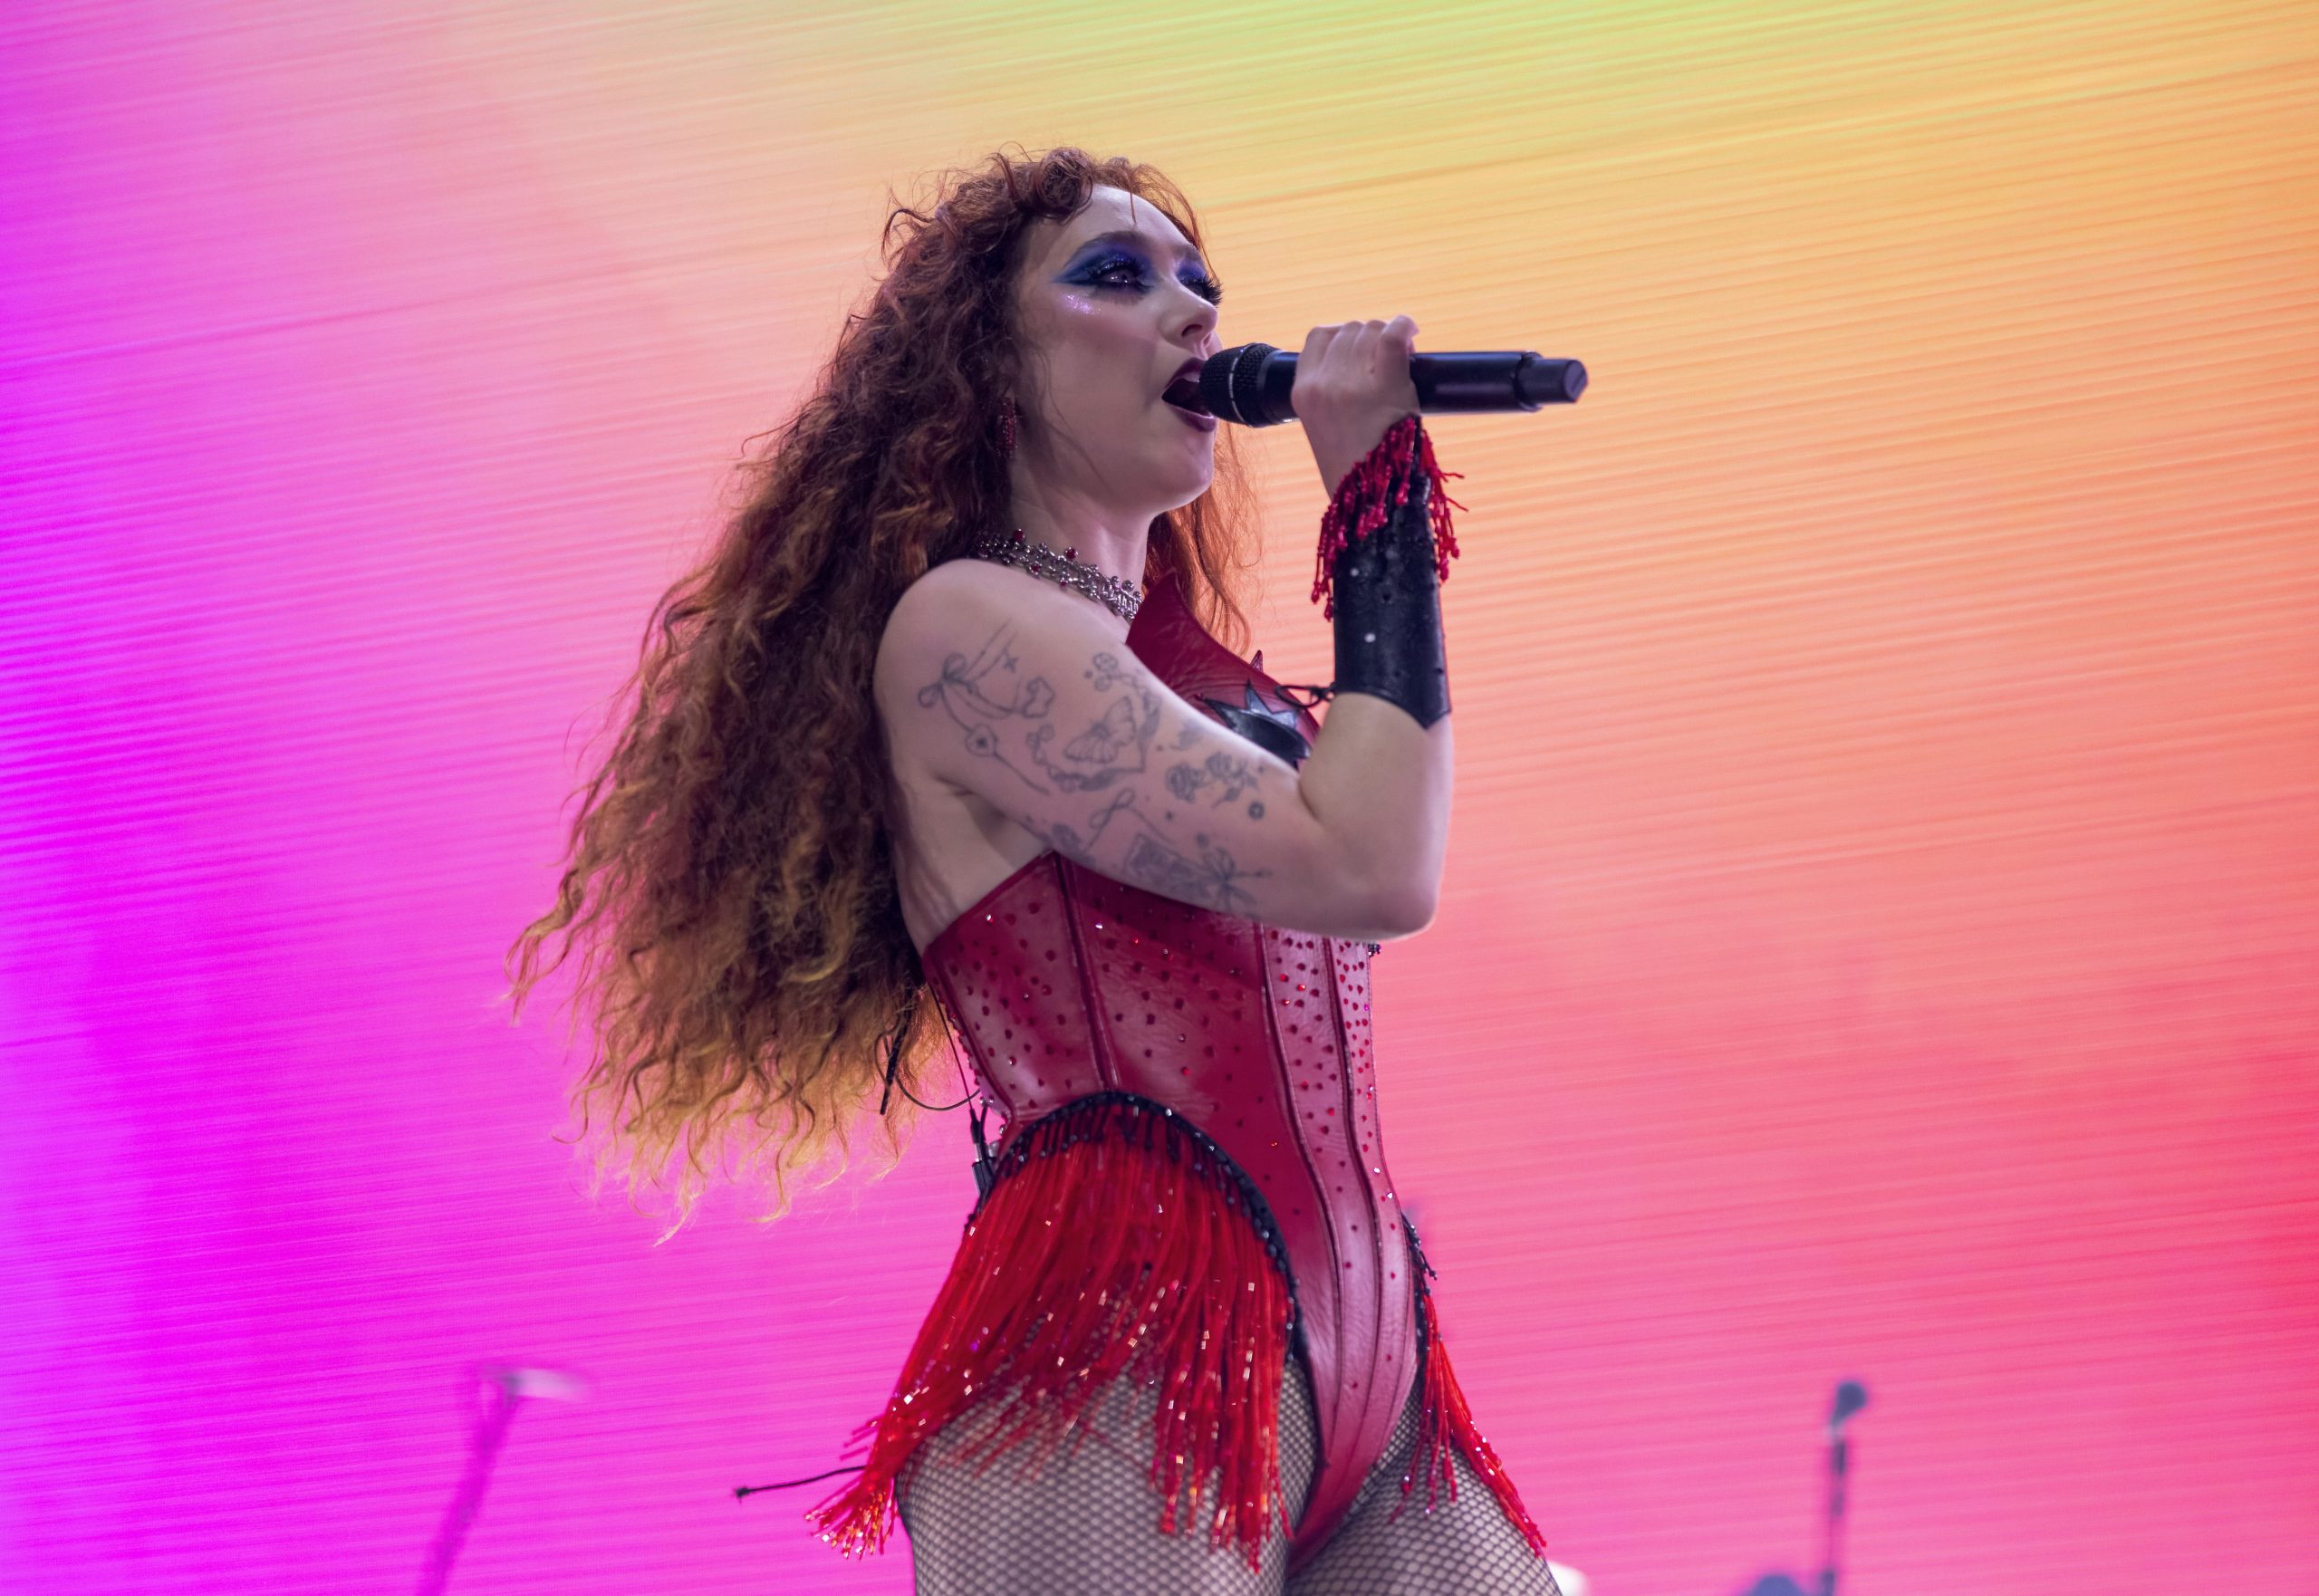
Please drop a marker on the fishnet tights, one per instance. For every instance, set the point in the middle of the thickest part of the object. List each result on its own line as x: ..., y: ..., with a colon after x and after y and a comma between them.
x: 1086, y: 1522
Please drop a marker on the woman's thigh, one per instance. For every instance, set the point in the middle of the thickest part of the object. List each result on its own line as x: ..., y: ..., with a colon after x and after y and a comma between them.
x: 1085, y: 1521
x: 1393, y: 1545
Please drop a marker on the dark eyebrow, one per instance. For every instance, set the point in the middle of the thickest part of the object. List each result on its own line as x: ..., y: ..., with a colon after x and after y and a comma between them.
x: 1150, y: 242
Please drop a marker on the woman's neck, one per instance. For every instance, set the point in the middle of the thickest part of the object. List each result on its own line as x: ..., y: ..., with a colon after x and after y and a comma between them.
x: 1095, y: 535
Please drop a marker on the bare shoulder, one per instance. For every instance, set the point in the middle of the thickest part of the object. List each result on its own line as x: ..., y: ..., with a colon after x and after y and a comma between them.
x: 933, y: 620
x: 923, y: 621
x: 974, y: 636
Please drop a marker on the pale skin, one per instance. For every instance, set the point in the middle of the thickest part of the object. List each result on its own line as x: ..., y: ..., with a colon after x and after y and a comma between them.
x: 1018, y: 722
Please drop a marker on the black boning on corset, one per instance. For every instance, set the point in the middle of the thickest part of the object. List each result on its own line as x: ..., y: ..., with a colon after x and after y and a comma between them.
x: 1387, y: 600
x: 1240, y: 1191
x: 1421, y: 1271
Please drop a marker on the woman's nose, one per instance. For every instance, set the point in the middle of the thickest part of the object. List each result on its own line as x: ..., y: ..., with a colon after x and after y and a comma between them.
x: 1201, y: 310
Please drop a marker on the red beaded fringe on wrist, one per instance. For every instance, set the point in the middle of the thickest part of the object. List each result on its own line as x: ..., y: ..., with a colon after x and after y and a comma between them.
x: 1445, y: 1422
x: 1372, y: 490
x: 1113, y: 1244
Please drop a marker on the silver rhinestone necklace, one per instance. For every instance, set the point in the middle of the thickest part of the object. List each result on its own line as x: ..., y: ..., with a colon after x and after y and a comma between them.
x: 1121, y: 597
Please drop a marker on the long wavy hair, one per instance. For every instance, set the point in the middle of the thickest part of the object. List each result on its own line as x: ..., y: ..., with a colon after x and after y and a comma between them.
x: 730, y: 878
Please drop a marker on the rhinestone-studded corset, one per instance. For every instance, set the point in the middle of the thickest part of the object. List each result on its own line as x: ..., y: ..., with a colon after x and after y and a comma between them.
x: 1065, y: 984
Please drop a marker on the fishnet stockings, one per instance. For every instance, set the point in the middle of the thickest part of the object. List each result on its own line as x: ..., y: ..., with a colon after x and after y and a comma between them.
x: 1086, y: 1523
x: 1391, y: 1545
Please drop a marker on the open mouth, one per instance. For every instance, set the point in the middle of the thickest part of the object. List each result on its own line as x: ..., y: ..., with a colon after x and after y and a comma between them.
x: 1184, y: 394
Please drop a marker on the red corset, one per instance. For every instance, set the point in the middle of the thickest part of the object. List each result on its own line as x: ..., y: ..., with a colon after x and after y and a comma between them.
x: 1181, y: 1034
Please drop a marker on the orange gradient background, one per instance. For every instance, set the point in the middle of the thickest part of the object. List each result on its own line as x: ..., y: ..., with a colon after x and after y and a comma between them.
x: 1879, y: 936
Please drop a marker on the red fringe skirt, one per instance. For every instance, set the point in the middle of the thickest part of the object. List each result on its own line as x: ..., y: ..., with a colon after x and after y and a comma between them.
x: 1117, y: 1241
x: 1446, y: 1424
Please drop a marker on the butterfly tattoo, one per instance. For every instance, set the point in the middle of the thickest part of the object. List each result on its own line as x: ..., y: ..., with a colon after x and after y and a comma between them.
x: 982, y: 694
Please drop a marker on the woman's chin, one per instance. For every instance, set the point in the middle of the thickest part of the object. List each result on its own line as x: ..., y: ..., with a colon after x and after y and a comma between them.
x: 1193, y: 474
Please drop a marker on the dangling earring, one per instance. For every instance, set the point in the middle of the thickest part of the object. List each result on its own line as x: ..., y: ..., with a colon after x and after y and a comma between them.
x: 1006, y: 428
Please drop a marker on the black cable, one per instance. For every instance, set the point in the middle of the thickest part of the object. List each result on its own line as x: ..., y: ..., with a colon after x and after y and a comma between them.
x: 1320, y: 694
x: 742, y: 1491
x: 894, y: 1061
x: 982, y: 1163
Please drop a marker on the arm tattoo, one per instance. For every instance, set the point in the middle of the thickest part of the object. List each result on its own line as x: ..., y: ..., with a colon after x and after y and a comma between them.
x: 1211, y: 879
x: 1009, y: 721
x: 1230, y: 772
x: 979, y: 696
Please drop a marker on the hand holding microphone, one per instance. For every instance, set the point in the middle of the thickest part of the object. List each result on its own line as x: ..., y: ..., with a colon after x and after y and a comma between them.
x: 1359, y: 387
x: 1351, y: 383
x: 1379, y: 564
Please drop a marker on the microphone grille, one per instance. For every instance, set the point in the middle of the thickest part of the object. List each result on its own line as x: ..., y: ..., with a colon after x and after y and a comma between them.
x: 1231, y: 384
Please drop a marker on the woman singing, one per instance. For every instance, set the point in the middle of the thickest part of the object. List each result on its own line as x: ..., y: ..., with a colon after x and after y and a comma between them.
x: 937, y: 748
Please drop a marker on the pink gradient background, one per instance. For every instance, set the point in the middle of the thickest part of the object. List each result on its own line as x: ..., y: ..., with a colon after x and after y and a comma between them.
x: 1879, y: 932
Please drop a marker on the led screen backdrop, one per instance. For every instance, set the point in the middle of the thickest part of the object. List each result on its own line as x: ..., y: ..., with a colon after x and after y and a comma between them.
x: 1879, y: 931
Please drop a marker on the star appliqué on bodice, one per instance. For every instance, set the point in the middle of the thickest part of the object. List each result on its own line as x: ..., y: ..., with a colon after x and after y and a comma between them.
x: 1269, y: 728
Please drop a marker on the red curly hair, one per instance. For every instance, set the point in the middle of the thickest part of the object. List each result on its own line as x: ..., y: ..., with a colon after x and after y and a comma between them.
x: 729, y: 875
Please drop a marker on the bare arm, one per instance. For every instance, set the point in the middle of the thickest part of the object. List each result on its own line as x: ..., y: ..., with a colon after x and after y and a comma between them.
x: 1017, y: 692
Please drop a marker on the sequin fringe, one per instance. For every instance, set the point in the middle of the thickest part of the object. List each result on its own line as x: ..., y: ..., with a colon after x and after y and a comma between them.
x: 1174, y: 1286
x: 1372, y: 490
x: 1445, y: 1422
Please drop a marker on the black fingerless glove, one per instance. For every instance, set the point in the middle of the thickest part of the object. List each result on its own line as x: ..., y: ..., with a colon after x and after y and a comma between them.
x: 1386, y: 543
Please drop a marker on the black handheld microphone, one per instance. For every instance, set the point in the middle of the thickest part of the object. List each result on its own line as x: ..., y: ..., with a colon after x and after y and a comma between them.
x: 1252, y: 384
